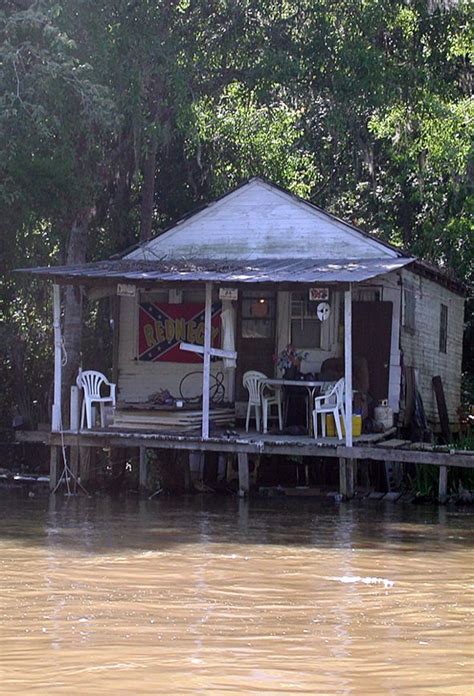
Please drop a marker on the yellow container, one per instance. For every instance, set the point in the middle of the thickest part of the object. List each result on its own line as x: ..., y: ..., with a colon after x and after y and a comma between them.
x: 331, y: 426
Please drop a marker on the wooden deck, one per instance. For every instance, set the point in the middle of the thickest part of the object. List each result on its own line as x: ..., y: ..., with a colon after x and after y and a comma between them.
x: 234, y: 440
x: 376, y: 446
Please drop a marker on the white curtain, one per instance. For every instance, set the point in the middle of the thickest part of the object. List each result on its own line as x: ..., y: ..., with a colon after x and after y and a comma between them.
x: 228, y: 332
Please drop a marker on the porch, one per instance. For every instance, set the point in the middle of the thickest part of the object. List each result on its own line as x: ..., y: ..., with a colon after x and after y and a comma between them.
x: 263, y: 320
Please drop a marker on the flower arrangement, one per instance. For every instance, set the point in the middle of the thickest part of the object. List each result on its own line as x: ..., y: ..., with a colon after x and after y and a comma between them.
x: 288, y: 358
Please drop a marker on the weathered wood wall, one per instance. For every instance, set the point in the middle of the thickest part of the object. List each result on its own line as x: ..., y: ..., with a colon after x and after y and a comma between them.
x: 420, y: 346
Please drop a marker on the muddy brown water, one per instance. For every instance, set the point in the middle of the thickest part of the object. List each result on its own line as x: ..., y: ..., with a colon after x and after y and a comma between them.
x: 221, y: 596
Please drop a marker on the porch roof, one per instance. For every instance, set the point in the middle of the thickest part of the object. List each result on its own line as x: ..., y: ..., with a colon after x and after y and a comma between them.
x: 289, y: 270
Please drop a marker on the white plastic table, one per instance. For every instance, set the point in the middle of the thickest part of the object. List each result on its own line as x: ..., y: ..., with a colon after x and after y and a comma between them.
x: 311, y: 386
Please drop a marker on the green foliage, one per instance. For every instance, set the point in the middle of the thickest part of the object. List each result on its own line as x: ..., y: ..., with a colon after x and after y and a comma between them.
x: 425, y: 481
x: 241, y: 138
x: 466, y: 443
x: 365, y: 108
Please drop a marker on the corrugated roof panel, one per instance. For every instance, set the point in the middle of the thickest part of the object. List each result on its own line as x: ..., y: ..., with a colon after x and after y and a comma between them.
x: 233, y: 271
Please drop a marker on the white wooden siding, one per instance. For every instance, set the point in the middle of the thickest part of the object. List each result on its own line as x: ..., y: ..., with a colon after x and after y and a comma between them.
x: 421, y: 348
x: 260, y: 221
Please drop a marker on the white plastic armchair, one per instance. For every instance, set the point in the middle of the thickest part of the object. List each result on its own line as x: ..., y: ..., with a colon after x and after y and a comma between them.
x: 261, y: 397
x: 92, y: 382
x: 331, y: 402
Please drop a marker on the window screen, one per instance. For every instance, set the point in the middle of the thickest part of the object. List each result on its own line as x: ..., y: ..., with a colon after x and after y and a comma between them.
x: 305, y: 325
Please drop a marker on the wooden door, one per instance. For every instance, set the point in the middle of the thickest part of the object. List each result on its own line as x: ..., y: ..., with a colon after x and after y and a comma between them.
x: 255, y: 335
x: 371, y: 339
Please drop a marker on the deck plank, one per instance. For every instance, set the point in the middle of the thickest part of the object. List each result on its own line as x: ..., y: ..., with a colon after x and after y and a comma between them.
x: 394, y: 444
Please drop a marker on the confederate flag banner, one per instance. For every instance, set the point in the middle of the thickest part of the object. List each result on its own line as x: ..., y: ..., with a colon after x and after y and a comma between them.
x: 162, y: 327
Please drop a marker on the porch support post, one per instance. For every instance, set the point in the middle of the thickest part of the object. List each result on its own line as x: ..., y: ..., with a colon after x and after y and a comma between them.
x: 348, y: 363
x: 347, y: 466
x: 56, y: 411
x: 206, y: 379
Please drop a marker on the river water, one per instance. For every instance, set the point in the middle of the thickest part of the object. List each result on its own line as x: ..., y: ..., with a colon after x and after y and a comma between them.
x: 223, y: 596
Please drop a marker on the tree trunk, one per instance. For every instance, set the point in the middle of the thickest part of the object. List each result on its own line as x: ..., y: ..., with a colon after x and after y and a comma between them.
x: 148, y: 191
x: 72, y: 332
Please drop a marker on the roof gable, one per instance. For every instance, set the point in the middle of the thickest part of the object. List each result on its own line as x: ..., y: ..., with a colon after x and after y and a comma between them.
x: 258, y: 221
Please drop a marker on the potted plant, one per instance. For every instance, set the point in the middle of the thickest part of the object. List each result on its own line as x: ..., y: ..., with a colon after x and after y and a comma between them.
x: 289, y: 362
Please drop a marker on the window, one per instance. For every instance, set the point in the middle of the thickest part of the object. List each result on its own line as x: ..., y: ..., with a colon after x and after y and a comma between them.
x: 443, y: 329
x: 367, y: 293
x: 305, y: 325
x: 258, y: 314
x: 409, y: 309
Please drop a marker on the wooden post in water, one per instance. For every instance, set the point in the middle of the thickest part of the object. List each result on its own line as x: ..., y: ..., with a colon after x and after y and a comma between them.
x: 244, y: 484
x: 347, y: 477
x: 85, y: 456
x: 53, y: 467
x: 143, y: 470
x: 74, y: 426
x: 443, y: 484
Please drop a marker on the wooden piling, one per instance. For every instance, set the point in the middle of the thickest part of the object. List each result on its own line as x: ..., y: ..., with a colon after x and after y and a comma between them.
x: 143, y: 470
x: 85, y: 455
x: 347, y: 477
x: 74, y: 427
x: 443, y: 483
x: 244, y: 484
x: 54, y: 467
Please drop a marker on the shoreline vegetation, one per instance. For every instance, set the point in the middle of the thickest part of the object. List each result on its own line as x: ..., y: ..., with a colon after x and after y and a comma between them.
x: 119, y: 118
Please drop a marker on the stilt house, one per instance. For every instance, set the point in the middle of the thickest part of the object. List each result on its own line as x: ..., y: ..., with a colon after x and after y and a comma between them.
x: 227, y: 289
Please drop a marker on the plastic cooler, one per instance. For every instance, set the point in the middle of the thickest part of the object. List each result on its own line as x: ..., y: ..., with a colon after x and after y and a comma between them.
x: 356, y: 425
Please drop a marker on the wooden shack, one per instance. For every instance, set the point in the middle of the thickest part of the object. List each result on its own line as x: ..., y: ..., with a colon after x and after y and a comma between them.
x: 268, y: 259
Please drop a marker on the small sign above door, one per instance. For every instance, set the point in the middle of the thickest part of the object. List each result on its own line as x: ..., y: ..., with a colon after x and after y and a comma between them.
x: 318, y: 294
x: 228, y: 293
x: 126, y: 290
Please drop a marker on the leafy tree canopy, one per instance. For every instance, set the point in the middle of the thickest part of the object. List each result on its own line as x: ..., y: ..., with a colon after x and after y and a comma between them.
x: 116, y: 118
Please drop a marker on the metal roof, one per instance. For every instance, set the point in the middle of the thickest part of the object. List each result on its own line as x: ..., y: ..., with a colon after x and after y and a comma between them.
x: 222, y: 271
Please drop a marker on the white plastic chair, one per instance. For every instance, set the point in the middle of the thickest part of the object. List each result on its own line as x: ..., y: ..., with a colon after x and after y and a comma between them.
x: 331, y: 402
x: 261, y: 397
x: 91, y: 382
